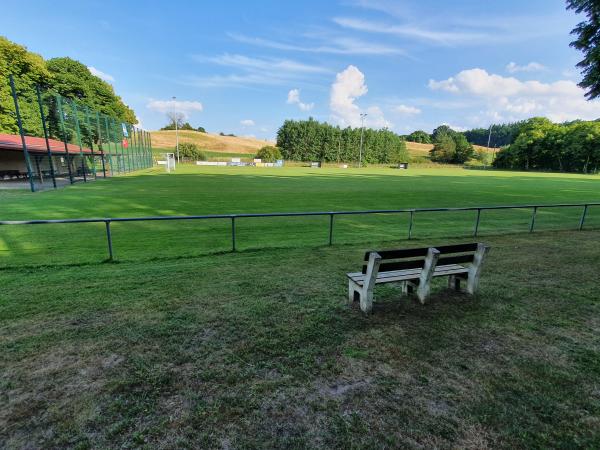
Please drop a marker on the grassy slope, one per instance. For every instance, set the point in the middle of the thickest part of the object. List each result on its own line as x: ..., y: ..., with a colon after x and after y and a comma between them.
x: 212, y: 142
x: 258, y: 350
x: 212, y: 190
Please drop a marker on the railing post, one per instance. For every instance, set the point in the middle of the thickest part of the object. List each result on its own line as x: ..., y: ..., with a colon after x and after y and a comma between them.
x: 410, y: 225
x: 233, y: 233
x: 477, y: 222
x: 330, y: 228
x: 585, y: 208
x: 533, y: 214
x: 109, y: 241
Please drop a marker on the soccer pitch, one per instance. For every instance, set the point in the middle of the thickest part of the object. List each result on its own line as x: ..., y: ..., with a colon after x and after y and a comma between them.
x: 214, y: 190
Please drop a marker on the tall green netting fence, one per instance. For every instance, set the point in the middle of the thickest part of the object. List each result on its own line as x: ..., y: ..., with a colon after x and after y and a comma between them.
x: 48, y: 140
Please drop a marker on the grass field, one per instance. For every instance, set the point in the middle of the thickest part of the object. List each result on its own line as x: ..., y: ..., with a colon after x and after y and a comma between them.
x: 167, y: 348
x: 258, y: 350
x: 211, y: 190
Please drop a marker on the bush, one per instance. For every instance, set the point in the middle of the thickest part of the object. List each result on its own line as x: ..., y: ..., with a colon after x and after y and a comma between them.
x: 269, y: 154
x: 188, y: 150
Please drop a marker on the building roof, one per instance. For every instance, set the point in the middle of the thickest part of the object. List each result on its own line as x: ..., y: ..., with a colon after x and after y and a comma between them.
x: 37, y: 144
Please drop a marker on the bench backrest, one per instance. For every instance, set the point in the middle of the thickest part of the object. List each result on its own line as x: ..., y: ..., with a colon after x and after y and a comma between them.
x: 414, y: 258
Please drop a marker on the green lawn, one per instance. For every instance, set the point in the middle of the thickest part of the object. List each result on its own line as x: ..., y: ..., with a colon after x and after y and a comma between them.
x: 213, y: 190
x: 175, y: 347
x: 258, y: 350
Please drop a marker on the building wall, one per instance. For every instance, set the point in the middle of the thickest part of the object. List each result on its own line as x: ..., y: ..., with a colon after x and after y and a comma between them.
x: 11, y: 160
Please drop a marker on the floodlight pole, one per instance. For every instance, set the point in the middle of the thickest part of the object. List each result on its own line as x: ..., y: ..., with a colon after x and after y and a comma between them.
x: 490, y: 136
x: 362, y: 132
x: 176, y: 134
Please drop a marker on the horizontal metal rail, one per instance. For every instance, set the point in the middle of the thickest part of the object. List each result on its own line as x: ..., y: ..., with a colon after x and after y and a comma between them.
x: 412, y: 211
x: 291, y: 214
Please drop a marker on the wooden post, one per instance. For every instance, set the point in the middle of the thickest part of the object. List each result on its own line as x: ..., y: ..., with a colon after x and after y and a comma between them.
x: 366, y: 296
x: 424, y: 288
x: 475, y: 269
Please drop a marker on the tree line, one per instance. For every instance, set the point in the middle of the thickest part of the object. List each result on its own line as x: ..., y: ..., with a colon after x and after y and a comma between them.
x: 543, y: 145
x: 65, y: 76
x: 501, y: 135
x: 310, y: 140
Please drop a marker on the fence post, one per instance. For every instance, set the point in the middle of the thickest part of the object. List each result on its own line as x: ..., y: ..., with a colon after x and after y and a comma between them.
x: 22, y: 133
x: 109, y: 241
x: 533, y: 214
x: 233, y: 233
x: 330, y: 228
x: 410, y: 225
x: 100, y: 146
x: 91, y: 139
x: 50, y: 162
x: 585, y: 208
x: 78, y: 131
x: 477, y: 222
x: 63, y: 128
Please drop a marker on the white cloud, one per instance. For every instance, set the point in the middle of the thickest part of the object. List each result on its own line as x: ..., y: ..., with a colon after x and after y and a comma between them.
x: 294, y: 99
x: 253, y: 64
x: 254, y: 71
x: 455, y: 127
x: 184, y: 107
x: 533, y: 66
x: 102, y: 75
x: 247, y: 123
x: 348, y: 86
x: 508, y: 99
x: 339, y: 45
x: 406, y: 110
x: 411, y: 31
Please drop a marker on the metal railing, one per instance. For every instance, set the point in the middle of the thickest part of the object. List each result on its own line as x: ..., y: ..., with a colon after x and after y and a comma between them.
x: 411, y: 211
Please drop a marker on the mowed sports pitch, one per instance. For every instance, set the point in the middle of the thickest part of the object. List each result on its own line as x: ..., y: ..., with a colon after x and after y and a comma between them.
x: 211, y: 190
x: 172, y: 347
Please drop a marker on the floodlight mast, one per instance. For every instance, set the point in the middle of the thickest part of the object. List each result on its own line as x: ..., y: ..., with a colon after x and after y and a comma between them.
x: 362, y: 131
x: 176, y: 133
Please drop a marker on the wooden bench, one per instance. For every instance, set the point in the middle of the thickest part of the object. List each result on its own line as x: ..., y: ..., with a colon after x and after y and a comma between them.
x: 414, y: 268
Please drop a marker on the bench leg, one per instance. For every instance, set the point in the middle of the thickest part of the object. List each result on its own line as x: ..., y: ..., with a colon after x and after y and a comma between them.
x: 366, y: 300
x: 427, y: 274
x: 454, y: 282
x: 475, y: 270
x: 353, y: 292
x: 404, y: 287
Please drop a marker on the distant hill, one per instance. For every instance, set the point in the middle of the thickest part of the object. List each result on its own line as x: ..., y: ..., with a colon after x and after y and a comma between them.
x: 208, y: 141
x: 247, y: 145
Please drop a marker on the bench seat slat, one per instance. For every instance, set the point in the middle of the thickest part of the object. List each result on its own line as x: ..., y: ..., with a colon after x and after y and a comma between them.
x: 410, y: 274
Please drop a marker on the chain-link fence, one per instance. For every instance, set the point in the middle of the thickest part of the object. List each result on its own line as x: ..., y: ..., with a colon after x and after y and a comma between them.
x: 48, y: 140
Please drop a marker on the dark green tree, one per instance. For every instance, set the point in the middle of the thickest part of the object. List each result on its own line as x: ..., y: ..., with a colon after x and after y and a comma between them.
x: 28, y: 70
x: 419, y: 136
x: 73, y: 79
x: 587, y: 41
x: 444, y: 149
x: 269, y: 153
x: 310, y: 140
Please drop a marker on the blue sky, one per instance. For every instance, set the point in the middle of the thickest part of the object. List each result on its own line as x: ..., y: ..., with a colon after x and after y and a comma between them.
x: 243, y: 67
